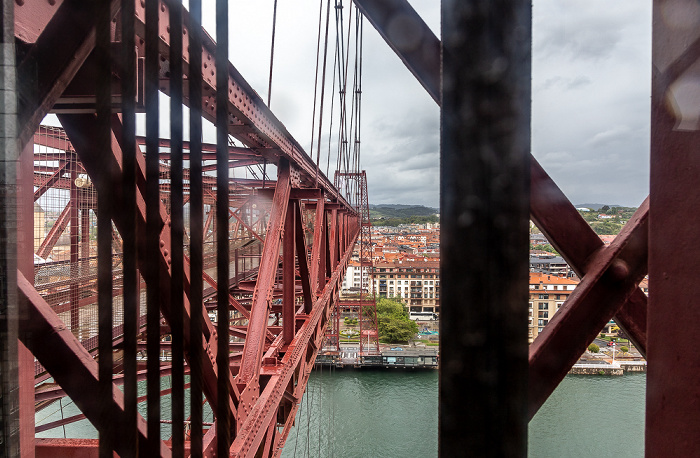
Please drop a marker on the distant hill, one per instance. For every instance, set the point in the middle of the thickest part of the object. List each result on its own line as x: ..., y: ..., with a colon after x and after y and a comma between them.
x: 595, y: 207
x: 400, y: 211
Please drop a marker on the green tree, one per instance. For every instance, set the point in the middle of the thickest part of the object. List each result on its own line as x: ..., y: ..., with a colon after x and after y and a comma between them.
x: 624, y: 349
x: 605, y: 209
x: 393, y: 322
x: 593, y: 348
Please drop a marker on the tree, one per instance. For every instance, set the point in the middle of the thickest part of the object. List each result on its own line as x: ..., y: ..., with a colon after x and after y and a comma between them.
x: 624, y: 349
x: 605, y: 209
x: 593, y: 348
x: 393, y: 322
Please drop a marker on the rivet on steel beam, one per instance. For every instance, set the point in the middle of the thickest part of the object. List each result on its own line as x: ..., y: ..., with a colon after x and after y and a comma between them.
x: 52, y: 2
x: 619, y: 270
x: 19, y: 2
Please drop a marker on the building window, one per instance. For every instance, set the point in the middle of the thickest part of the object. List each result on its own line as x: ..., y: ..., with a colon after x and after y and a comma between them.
x: 543, y: 314
x: 544, y: 296
x: 543, y: 306
x: 542, y: 322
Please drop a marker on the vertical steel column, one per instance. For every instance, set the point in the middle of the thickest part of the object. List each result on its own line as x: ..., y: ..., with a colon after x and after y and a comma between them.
x: 288, y: 281
x: 74, y: 253
x: 152, y: 239
x: 223, y: 419
x: 673, y: 391
x: 485, y: 141
x: 104, y: 219
x: 196, y: 225
x: 9, y: 382
x: 25, y: 265
x: 177, y: 232
x: 130, y: 278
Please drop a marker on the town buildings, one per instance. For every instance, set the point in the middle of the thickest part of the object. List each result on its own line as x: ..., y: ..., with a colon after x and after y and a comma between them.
x: 547, y: 294
x: 406, y: 266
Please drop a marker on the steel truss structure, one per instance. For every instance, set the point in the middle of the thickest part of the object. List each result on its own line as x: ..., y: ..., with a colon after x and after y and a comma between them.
x: 150, y: 259
x: 365, y: 307
x: 96, y: 63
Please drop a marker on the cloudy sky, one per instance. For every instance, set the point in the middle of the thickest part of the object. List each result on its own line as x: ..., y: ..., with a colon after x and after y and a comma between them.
x: 590, y: 89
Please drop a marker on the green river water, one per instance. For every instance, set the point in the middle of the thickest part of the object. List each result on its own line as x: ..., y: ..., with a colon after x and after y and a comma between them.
x: 391, y: 414
x: 394, y: 414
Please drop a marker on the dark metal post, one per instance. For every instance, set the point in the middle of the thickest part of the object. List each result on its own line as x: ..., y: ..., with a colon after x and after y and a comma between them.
x: 485, y: 143
x: 9, y: 422
x: 674, y: 257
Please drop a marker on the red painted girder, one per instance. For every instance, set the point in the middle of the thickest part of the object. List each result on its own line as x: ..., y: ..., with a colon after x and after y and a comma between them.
x: 101, y: 166
x: 288, y: 277
x: 252, y: 353
x: 72, y: 366
x: 235, y: 152
x: 258, y: 125
x: 54, y: 139
x: 51, y: 180
x: 233, y: 164
x: 264, y: 411
x: 238, y: 218
x: 571, y: 235
x: 303, y: 259
x: 59, y: 52
x: 232, y: 301
x: 613, y: 275
x: 55, y: 232
x: 317, y: 249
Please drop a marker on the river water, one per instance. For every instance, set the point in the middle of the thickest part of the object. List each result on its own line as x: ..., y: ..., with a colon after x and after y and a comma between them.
x: 394, y: 414
x: 359, y: 414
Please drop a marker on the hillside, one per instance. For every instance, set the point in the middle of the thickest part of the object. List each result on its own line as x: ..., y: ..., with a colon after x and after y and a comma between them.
x: 396, y: 214
x: 594, y: 207
x: 400, y: 211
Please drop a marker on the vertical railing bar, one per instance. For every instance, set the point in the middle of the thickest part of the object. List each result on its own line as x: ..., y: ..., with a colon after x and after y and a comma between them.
x: 196, y: 226
x: 223, y: 426
x: 130, y: 277
x: 103, y: 98
x: 152, y: 228
x: 104, y: 221
x: 177, y: 230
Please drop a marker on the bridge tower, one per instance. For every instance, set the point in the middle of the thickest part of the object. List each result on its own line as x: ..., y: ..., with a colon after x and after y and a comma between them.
x: 354, y: 184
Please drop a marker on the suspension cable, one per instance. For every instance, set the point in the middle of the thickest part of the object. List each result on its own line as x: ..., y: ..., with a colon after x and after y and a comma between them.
x: 272, y: 53
x: 323, y: 88
x: 318, y: 50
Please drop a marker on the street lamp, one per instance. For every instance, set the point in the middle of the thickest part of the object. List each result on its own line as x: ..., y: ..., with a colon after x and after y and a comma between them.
x: 613, y: 353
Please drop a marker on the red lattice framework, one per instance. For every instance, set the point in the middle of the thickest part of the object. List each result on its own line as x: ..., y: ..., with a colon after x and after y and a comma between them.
x: 89, y: 321
x: 489, y: 385
x: 355, y: 184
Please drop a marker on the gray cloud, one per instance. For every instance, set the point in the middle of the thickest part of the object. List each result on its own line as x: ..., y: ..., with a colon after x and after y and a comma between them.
x: 590, y: 112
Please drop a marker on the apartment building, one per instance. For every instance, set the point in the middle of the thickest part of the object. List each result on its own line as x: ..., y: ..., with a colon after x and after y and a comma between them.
x: 547, y: 295
x: 356, y: 278
x: 416, y: 282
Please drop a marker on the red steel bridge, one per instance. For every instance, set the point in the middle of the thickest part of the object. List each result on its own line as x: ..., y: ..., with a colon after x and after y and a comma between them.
x: 151, y: 243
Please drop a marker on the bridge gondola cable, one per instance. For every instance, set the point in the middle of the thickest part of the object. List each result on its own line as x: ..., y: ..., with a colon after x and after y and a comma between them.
x: 323, y: 88
x: 318, y: 50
